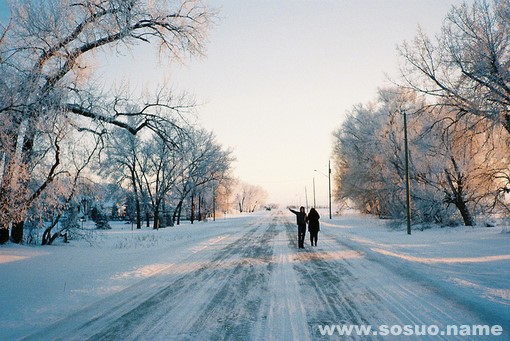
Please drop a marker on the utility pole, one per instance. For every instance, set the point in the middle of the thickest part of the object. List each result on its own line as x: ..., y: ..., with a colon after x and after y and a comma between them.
x: 214, y: 203
x: 306, y: 199
x: 314, y: 203
x: 329, y: 181
x: 329, y: 185
x: 408, y: 180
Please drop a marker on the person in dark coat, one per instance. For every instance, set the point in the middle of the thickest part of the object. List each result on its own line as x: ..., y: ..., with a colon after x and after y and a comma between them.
x: 313, y: 225
x: 301, y: 223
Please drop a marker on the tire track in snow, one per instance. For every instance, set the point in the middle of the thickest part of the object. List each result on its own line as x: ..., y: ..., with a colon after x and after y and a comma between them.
x: 166, y: 300
x: 283, y: 314
x: 326, y: 285
x: 342, y: 283
x: 433, y: 303
x: 204, y: 303
x: 257, y: 285
x: 232, y: 311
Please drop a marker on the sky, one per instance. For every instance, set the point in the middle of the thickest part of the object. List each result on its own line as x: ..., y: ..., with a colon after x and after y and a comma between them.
x: 279, y: 77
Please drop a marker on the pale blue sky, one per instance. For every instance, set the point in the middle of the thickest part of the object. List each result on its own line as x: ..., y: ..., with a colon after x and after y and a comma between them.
x: 279, y: 76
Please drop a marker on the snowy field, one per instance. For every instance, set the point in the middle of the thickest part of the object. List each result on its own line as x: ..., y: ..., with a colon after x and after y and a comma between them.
x: 243, y: 278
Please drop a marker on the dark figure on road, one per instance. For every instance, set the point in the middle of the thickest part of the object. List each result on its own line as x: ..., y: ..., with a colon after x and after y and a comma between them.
x: 313, y: 225
x: 301, y: 222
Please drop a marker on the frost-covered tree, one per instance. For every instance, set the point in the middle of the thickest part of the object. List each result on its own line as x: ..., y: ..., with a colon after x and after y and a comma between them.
x: 370, y: 157
x: 158, y: 173
x: 456, y: 172
x: 202, y: 161
x: 45, y: 58
x: 465, y: 161
x: 250, y: 197
x: 358, y: 167
x: 465, y: 72
x: 466, y: 68
x: 120, y: 163
x: 225, y: 194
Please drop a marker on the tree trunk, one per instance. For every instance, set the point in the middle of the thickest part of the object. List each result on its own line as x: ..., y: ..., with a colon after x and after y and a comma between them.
x: 26, y: 157
x: 156, y: 216
x: 464, y: 212
x: 192, y: 218
x: 17, y: 232
x: 5, y: 180
x: 506, y: 122
x: 138, y: 214
x: 177, y: 213
x: 199, y: 208
x: 4, y: 235
x: 155, y: 224
x: 47, y: 238
x: 137, y: 200
x: 457, y: 197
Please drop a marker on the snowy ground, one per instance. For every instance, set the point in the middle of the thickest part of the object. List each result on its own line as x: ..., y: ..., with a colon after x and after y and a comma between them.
x: 243, y: 278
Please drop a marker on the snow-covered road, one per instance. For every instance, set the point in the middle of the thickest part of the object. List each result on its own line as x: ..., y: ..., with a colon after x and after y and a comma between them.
x: 253, y: 283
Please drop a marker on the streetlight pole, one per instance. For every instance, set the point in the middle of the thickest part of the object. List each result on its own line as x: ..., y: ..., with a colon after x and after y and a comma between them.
x: 329, y: 181
x: 314, y: 203
x: 329, y: 185
x: 306, y: 199
x: 408, y: 180
x: 214, y: 203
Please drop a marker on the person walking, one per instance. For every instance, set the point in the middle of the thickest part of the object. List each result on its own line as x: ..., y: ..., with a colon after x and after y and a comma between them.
x: 313, y: 225
x: 301, y: 223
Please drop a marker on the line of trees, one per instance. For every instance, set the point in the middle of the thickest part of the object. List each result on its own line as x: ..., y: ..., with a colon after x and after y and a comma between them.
x: 161, y: 176
x: 456, y: 93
